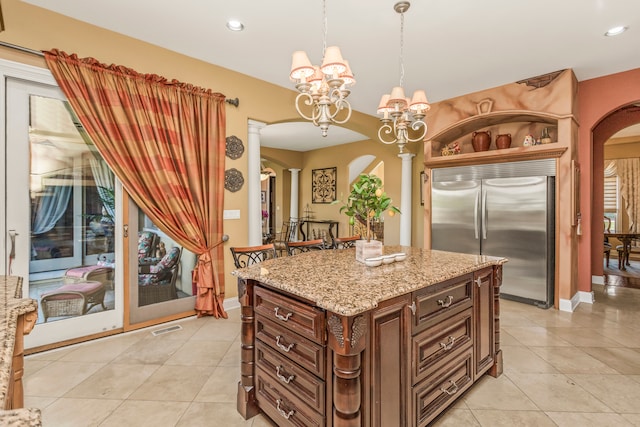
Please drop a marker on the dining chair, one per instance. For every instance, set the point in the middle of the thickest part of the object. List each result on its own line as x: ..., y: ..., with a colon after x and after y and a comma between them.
x: 607, y: 245
x: 294, y: 248
x: 248, y: 255
x: 345, y: 242
x: 287, y: 233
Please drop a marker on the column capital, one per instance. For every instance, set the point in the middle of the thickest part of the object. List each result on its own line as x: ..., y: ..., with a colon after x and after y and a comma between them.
x: 255, y: 126
x: 406, y: 156
x: 294, y: 170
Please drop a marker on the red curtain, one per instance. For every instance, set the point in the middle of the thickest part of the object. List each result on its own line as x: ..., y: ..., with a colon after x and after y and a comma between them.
x: 165, y: 141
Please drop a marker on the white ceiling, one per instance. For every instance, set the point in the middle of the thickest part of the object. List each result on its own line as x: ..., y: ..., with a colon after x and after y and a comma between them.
x: 451, y: 47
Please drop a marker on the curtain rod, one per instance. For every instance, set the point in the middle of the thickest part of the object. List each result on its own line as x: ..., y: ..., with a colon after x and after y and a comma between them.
x: 235, y: 101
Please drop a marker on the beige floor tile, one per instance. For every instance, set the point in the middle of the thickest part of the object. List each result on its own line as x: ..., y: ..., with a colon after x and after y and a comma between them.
x: 523, y: 359
x: 146, y: 414
x: 616, y: 391
x: 625, y: 337
x: 535, y: 336
x: 38, y: 402
x: 494, y: 418
x: 583, y: 337
x: 585, y: 419
x: 633, y: 419
x: 114, y: 381
x: 261, y: 420
x: 508, y: 339
x: 101, y: 350
x: 557, y: 392
x: 51, y: 355
x: 457, y: 418
x: 203, y: 414
x: 232, y: 356
x: 624, y: 360
x: 221, y: 387
x: 218, y: 330
x: 497, y: 393
x: 58, y: 378
x: 572, y: 360
x: 173, y: 383
x: 66, y: 412
x: 200, y: 353
x: 31, y: 366
x: 154, y: 351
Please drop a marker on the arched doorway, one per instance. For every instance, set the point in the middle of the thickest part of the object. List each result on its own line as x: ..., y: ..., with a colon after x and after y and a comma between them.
x: 623, y: 117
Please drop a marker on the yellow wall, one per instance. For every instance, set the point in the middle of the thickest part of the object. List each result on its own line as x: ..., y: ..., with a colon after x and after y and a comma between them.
x: 35, y: 28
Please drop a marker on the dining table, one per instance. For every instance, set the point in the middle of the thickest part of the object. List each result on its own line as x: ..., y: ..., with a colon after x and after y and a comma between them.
x: 625, y: 239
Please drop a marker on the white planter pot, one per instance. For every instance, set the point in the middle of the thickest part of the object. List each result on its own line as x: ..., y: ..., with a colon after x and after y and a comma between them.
x: 369, y: 249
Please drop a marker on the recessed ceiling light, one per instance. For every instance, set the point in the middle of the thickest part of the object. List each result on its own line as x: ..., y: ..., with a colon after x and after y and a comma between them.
x: 235, y: 25
x: 616, y: 31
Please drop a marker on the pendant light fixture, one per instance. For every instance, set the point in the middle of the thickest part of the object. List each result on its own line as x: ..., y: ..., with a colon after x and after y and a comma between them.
x: 399, y: 114
x: 323, y: 89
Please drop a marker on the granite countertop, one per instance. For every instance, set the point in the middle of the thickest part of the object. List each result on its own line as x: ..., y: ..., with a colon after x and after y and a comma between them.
x: 12, y: 305
x: 335, y: 281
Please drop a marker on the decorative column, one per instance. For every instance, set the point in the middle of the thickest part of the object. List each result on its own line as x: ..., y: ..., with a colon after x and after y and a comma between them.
x: 405, y: 199
x: 293, y: 209
x: 254, y: 213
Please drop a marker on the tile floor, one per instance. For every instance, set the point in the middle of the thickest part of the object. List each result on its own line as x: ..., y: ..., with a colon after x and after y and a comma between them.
x: 560, y: 369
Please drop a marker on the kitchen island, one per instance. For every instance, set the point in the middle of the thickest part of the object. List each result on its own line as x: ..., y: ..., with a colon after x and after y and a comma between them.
x: 18, y: 316
x: 328, y: 341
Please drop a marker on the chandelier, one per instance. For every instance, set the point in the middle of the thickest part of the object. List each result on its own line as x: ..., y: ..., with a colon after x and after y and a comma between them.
x: 399, y: 114
x: 323, y: 89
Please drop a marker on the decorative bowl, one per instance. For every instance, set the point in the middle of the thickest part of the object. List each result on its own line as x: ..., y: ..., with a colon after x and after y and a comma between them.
x: 400, y: 256
x: 373, y: 262
x: 388, y: 259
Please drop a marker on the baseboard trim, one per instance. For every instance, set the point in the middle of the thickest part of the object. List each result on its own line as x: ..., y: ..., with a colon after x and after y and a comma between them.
x: 570, y: 305
x: 597, y: 280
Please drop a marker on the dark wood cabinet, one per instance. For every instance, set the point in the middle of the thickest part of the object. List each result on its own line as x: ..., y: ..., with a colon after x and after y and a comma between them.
x: 401, y: 363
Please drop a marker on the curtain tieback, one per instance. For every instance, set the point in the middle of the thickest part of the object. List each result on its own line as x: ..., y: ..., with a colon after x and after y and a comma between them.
x: 204, y: 262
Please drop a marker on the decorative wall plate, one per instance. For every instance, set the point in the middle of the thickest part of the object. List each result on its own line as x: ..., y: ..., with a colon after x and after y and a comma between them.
x: 235, y: 148
x: 233, y: 180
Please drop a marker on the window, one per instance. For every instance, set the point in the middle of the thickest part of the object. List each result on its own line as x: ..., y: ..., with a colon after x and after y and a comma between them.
x: 611, y: 200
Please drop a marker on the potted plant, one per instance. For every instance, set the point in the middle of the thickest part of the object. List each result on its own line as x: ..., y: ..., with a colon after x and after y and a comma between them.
x: 366, y: 203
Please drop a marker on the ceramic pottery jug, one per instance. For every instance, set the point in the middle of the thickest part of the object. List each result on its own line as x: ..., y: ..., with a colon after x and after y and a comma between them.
x: 481, y: 141
x: 503, y: 141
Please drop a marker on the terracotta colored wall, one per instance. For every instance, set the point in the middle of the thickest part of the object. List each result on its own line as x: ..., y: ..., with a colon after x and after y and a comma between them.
x: 598, y: 98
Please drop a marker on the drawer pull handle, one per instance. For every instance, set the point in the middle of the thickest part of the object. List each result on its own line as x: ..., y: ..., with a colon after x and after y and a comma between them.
x: 449, y: 345
x: 446, y: 303
x: 285, y: 348
x: 282, y: 378
x: 280, y: 316
x: 451, y: 390
x: 285, y: 415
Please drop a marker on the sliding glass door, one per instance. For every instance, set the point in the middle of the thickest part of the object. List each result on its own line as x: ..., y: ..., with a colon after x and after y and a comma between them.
x: 61, y: 216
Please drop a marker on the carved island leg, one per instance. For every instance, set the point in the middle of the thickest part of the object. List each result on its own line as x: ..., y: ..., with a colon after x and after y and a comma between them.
x: 246, y: 402
x: 496, y: 369
x: 347, y: 342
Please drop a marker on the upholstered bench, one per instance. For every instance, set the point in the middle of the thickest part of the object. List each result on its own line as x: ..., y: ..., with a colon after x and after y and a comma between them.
x: 90, y: 273
x: 73, y: 299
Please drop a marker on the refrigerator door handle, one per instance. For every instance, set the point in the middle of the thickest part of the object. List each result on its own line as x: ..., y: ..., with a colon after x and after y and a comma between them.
x: 475, y: 215
x: 484, y: 214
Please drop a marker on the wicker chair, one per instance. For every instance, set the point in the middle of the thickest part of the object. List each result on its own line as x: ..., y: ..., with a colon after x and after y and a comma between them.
x: 245, y: 256
x: 345, y: 242
x: 157, y: 283
x: 294, y: 248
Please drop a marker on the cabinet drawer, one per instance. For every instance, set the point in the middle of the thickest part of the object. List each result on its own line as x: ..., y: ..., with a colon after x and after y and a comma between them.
x: 434, y: 394
x: 292, y: 314
x: 434, y: 305
x: 304, y: 352
x: 284, y: 408
x: 445, y: 341
x: 296, y: 380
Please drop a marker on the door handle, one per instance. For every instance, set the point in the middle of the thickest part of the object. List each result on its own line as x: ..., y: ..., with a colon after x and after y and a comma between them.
x: 484, y: 214
x: 475, y: 215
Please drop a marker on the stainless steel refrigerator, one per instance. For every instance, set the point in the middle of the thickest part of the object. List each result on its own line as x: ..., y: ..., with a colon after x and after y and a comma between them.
x: 504, y: 210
